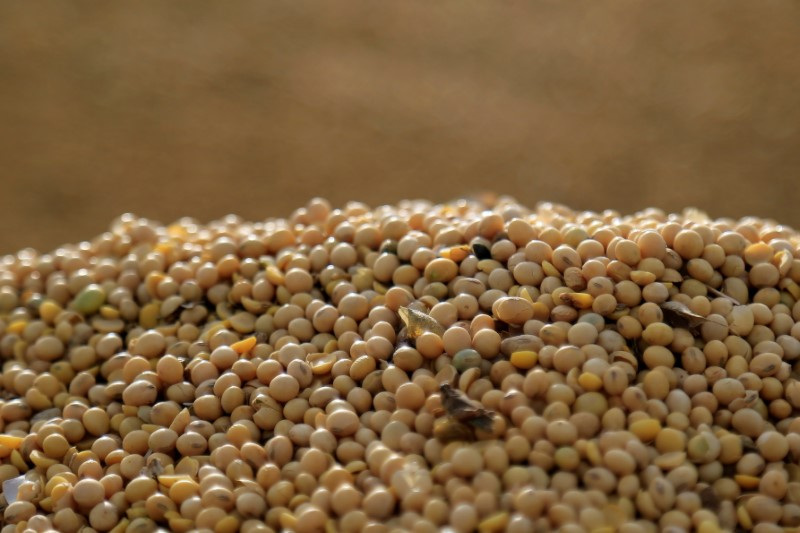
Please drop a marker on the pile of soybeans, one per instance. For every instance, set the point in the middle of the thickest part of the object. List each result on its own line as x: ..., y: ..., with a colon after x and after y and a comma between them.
x: 633, y: 373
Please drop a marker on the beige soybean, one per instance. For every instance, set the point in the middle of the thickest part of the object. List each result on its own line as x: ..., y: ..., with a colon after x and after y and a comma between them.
x: 238, y: 375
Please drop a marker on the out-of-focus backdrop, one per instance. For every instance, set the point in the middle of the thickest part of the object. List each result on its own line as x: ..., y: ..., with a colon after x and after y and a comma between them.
x: 204, y: 108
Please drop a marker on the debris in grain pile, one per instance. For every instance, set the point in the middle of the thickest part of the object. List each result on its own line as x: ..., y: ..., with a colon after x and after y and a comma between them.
x: 405, y: 368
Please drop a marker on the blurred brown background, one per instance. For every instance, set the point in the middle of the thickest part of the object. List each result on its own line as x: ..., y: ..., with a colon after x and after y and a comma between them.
x: 203, y: 108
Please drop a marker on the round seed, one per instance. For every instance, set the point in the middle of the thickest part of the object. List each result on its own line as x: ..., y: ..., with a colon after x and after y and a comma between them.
x: 284, y: 387
x: 441, y: 269
x: 646, y: 429
x: 149, y: 344
x: 48, y: 348
x: 89, y: 300
x: 103, y: 516
x: 772, y: 446
x: 88, y: 493
x: 765, y: 364
x: 523, y: 360
x: 465, y: 359
x: 467, y: 462
x: 342, y: 423
x: 512, y: 310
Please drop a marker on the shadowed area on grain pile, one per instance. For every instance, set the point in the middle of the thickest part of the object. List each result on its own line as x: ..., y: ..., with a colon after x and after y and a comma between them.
x: 205, y: 108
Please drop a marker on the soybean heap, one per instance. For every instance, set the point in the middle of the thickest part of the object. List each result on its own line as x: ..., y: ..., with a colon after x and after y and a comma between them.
x: 417, y: 367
